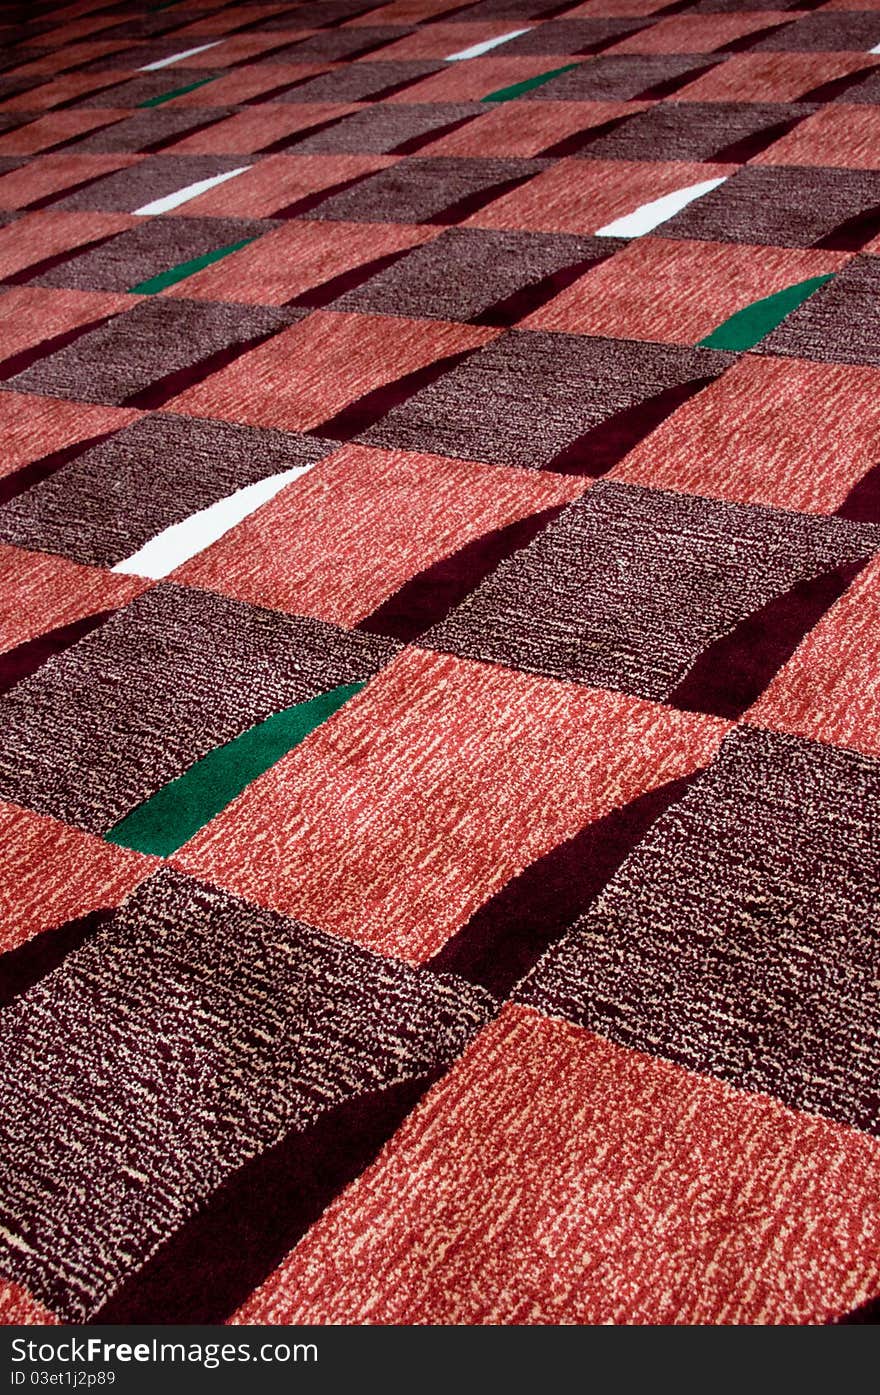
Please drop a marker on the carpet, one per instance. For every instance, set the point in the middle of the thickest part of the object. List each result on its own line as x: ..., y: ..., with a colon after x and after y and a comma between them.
x: 439, y: 662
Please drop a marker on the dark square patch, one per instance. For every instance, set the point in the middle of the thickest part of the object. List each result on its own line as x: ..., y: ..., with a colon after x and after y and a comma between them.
x: 487, y: 408
x: 740, y: 939
x: 152, y: 178
x: 106, y: 504
x: 387, y: 128
x: 631, y: 585
x: 782, y: 206
x: 154, y: 343
x: 719, y: 131
x: 149, y: 131
x: 621, y: 78
x: 101, y: 727
x: 153, y: 246
x: 360, y: 82
x: 422, y: 191
x: 840, y: 324
x: 469, y: 273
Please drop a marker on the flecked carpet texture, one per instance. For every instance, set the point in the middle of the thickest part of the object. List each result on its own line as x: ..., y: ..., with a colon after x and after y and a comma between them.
x: 440, y: 662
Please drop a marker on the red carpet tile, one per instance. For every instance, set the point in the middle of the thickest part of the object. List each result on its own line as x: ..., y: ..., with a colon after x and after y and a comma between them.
x: 439, y: 662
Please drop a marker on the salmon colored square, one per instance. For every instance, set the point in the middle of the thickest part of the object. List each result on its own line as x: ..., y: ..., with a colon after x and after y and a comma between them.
x: 276, y: 181
x: 770, y: 77
x: 309, y: 372
x: 33, y: 426
x: 253, y: 129
x: 41, y: 591
x: 828, y: 690
x: 776, y: 431
x: 36, y: 236
x: 52, y: 873
x: 296, y: 257
x: 585, y: 1183
x: 30, y: 315
x: 847, y: 137
x: 56, y: 128
x: 242, y: 84
x: 475, y: 78
x: 526, y: 128
x: 339, y: 541
x: 52, y: 174
x: 676, y: 292
x: 431, y: 789
x: 581, y: 196
x: 696, y: 33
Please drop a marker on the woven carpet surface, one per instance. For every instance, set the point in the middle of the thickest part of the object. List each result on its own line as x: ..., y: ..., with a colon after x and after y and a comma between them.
x: 439, y: 662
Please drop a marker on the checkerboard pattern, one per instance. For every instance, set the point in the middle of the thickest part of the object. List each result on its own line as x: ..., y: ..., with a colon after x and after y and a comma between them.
x: 439, y: 661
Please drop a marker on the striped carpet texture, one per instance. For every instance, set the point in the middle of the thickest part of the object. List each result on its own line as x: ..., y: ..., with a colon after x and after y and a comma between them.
x: 440, y: 662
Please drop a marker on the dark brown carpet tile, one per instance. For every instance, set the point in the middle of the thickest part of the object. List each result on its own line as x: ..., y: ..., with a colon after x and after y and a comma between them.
x: 245, y: 1027
x: 102, y: 726
x: 383, y: 129
x: 149, y: 131
x: 714, y: 131
x: 12, y: 120
x: 159, y: 342
x: 487, y: 408
x: 136, y: 52
x: 123, y: 91
x: 133, y: 56
x: 143, y: 26
x: 513, y: 9
x: 152, y: 178
x: 13, y: 56
x: 148, y: 249
x: 631, y: 585
x: 783, y: 206
x: 424, y: 190
x: 360, y: 81
x: 317, y: 14
x: 465, y: 272
x: 738, y: 939
x: 573, y: 36
x: 620, y: 77
x: 338, y: 45
x: 866, y: 92
x: 719, y: 7
x: 841, y: 32
x: 14, y: 86
x: 840, y: 324
x: 106, y: 504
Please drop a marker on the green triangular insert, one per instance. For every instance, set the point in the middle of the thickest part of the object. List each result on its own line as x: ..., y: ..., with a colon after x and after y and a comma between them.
x: 507, y: 94
x: 185, y: 269
x: 177, y: 811
x: 178, y: 92
x: 749, y: 326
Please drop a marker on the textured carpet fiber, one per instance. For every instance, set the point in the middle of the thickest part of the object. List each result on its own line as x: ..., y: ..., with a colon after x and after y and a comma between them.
x: 440, y: 661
